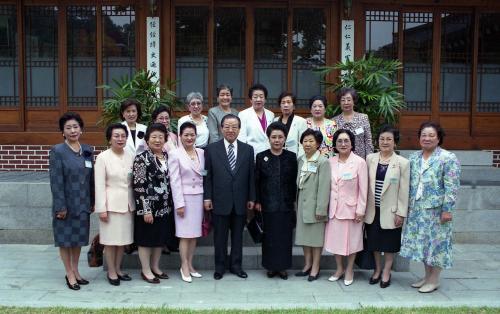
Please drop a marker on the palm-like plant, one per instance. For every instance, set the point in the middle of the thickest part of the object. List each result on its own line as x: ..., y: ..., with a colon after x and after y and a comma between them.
x: 142, y: 88
x: 373, y: 79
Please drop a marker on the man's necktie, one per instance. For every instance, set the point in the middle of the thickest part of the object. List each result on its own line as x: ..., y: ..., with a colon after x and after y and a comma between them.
x: 231, y: 157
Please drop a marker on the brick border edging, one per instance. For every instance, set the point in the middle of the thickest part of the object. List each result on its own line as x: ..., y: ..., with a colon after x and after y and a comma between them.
x: 29, y: 157
x: 36, y: 157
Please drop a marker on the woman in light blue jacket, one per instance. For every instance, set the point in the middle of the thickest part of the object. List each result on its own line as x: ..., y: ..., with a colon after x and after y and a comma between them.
x: 434, y: 183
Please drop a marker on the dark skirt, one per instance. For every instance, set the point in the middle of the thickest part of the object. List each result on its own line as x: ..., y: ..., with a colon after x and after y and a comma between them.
x: 382, y: 240
x: 157, y: 234
x: 72, y: 231
x: 278, y: 240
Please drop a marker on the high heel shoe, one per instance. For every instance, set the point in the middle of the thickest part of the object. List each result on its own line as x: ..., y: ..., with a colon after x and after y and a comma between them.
x: 146, y: 279
x: 334, y: 278
x: 312, y: 278
x: 114, y: 282
x: 303, y: 273
x: 160, y: 276
x: 373, y: 280
x: 82, y: 281
x: 283, y: 275
x: 186, y: 278
x: 348, y: 282
x: 385, y: 284
x: 195, y: 274
x: 418, y: 284
x: 74, y: 286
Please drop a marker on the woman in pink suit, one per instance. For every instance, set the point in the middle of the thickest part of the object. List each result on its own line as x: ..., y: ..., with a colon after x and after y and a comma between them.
x: 186, y: 165
x: 349, y: 189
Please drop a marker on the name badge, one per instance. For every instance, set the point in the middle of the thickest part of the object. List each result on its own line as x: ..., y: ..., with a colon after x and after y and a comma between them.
x: 312, y: 168
x: 347, y: 176
x: 204, y: 172
x: 359, y: 131
x: 88, y: 164
x: 394, y: 180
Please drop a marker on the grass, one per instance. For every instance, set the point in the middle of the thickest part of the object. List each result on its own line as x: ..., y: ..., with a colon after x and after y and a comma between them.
x: 423, y: 310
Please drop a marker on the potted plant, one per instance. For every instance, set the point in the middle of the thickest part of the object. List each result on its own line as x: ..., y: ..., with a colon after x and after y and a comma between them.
x: 142, y: 88
x: 374, y: 80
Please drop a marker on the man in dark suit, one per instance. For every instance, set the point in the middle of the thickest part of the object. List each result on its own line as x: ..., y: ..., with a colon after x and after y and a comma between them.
x: 229, y: 190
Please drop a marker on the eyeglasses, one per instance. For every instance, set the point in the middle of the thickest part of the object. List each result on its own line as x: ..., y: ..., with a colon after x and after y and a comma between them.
x: 195, y: 104
x: 345, y: 141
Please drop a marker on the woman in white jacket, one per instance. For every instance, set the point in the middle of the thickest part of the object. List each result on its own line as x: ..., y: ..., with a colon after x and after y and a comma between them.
x: 130, y: 112
x: 254, y: 120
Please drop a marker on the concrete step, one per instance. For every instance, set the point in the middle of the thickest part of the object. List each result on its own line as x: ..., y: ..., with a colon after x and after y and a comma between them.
x: 25, y: 208
x: 466, y: 157
x: 252, y: 259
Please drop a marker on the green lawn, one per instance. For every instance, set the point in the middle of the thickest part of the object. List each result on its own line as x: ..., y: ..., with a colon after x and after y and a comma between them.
x: 425, y: 310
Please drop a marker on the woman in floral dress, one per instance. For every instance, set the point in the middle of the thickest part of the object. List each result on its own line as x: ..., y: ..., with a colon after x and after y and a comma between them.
x: 434, y: 182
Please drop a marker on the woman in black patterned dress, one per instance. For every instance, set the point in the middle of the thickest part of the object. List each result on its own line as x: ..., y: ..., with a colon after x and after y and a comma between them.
x: 153, y: 198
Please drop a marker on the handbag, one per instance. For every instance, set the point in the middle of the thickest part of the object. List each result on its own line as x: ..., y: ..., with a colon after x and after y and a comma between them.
x: 94, y: 255
x: 365, y: 259
x: 206, y: 224
x: 256, y: 228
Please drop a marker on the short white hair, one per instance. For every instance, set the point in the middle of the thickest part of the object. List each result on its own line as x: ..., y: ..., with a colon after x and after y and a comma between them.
x: 194, y: 95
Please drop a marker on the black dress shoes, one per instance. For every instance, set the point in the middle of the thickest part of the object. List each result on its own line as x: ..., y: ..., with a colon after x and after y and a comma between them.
x: 240, y: 273
x: 124, y: 277
x: 283, y: 275
x: 271, y: 274
x: 82, y: 281
x: 303, y: 273
x: 74, y: 286
x: 160, y: 276
x: 312, y: 278
x: 114, y: 282
x: 218, y: 276
x: 146, y: 279
x: 385, y: 284
x: 374, y: 281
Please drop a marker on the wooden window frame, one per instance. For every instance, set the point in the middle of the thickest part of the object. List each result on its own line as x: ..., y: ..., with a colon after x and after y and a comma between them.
x: 21, y: 111
x: 168, y: 13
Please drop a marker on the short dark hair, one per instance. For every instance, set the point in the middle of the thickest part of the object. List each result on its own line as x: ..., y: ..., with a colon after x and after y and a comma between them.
x: 276, y: 126
x: 155, y: 127
x: 230, y: 116
x: 317, y: 97
x: 187, y: 125
x: 127, y: 103
x: 387, y: 128
x: 114, y: 126
x: 255, y: 87
x: 435, y: 126
x: 352, y: 138
x: 223, y: 87
x: 347, y: 90
x: 70, y: 116
x: 286, y: 94
x: 159, y: 110
x: 318, y: 137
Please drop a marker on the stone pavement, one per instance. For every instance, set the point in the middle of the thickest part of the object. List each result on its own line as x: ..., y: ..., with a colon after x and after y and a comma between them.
x: 32, y: 275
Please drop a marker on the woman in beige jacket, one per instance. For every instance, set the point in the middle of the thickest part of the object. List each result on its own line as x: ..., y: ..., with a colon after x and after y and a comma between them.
x: 387, y: 205
x: 114, y: 200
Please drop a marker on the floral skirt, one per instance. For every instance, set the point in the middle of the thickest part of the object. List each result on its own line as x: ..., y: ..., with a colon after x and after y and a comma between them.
x: 426, y: 240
